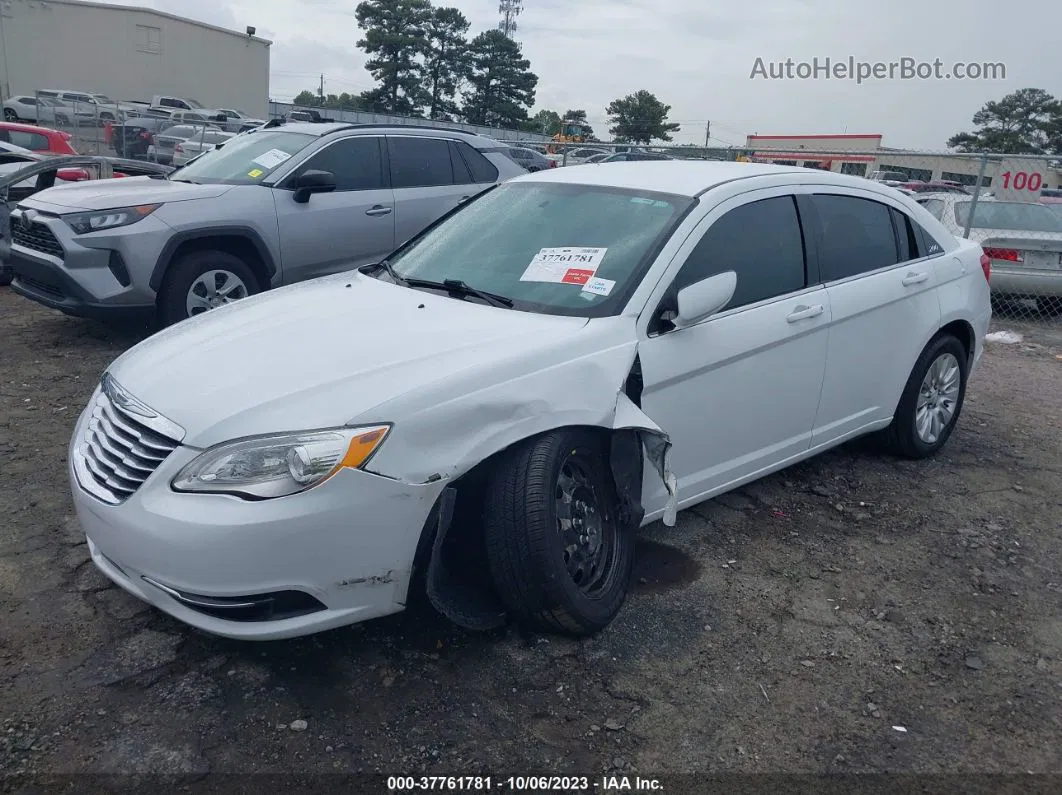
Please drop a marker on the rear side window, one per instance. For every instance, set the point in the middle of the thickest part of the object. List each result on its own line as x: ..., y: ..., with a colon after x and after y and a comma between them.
x: 762, y: 242
x: 482, y: 169
x: 935, y: 207
x: 33, y: 141
x: 419, y: 162
x: 855, y: 236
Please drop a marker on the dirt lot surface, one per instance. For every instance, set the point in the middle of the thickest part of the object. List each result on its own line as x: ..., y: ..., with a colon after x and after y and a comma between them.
x: 855, y: 613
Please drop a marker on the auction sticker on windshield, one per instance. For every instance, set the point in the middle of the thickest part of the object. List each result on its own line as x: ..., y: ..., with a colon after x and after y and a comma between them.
x: 565, y: 265
x: 272, y: 158
x: 598, y: 286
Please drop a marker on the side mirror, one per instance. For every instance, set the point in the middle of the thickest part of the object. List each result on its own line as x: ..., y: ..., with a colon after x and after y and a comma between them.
x: 704, y: 298
x: 311, y: 182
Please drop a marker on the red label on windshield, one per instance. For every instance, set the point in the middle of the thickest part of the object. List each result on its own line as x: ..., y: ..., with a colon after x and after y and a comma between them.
x: 577, y: 276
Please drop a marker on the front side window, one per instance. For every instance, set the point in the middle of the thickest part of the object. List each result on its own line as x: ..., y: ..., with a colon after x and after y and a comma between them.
x: 356, y: 163
x: 246, y: 159
x: 553, y: 248
x: 761, y: 242
x: 420, y: 162
x: 855, y: 236
x: 1013, y: 216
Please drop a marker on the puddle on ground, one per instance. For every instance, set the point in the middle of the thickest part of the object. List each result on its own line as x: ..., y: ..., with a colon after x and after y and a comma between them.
x: 659, y: 567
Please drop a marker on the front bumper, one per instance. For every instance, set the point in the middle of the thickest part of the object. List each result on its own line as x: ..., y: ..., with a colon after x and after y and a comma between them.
x: 347, y: 545
x: 103, y: 275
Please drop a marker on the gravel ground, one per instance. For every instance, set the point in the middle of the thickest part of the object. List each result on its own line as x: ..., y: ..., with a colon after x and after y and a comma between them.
x: 855, y: 613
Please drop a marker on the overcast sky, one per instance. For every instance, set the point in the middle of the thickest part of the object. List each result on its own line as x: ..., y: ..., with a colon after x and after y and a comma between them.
x: 698, y: 56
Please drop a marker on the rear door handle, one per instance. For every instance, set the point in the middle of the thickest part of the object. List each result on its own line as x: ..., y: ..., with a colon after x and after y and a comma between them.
x: 914, y: 278
x: 379, y: 209
x: 804, y: 313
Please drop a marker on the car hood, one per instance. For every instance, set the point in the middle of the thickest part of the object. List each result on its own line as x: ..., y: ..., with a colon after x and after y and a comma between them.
x: 104, y: 194
x: 321, y: 353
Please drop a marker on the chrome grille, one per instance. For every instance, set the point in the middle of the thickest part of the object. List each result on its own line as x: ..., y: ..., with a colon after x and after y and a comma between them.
x: 117, y: 451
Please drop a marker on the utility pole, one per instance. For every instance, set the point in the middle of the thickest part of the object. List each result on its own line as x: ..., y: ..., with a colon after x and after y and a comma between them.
x: 320, y: 89
x: 707, y: 133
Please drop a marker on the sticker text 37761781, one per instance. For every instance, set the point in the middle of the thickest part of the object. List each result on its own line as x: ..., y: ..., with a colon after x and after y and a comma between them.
x: 564, y: 265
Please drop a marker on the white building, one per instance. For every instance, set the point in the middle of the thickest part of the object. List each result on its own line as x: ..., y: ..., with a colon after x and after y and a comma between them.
x: 129, y: 53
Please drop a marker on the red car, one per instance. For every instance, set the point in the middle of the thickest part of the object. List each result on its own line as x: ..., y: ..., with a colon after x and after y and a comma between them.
x: 37, y: 139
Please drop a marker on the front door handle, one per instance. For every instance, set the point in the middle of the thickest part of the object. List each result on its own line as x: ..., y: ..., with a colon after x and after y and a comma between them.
x: 804, y: 313
x: 379, y: 209
x: 914, y: 278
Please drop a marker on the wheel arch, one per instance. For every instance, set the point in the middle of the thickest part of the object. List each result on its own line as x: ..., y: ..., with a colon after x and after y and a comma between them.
x: 240, y: 241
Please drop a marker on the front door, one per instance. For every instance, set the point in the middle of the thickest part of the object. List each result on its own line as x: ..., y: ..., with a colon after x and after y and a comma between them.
x: 345, y: 229
x: 738, y: 392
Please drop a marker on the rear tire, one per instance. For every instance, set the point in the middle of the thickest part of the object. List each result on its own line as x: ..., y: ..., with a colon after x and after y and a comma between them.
x: 10, y: 115
x: 931, y: 402
x: 216, y: 277
x: 557, y: 553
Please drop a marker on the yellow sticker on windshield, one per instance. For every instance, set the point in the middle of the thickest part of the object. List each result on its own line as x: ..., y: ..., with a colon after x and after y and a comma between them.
x: 255, y: 173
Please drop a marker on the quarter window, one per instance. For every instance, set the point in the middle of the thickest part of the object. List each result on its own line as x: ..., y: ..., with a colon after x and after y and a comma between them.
x: 483, y: 170
x: 355, y: 162
x: 762, y: 242
x: 855, y: 236
x: 420, y: 162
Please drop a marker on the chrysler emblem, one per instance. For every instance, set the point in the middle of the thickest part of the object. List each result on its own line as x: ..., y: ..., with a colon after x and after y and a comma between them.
x: 123, y: 399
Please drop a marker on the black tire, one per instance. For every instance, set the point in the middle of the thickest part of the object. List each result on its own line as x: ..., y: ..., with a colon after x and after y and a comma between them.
x: 172, y: 306
x: 62, y: 119
x: 10, y: 115
x: 902, y: 437
x: 526, y: 550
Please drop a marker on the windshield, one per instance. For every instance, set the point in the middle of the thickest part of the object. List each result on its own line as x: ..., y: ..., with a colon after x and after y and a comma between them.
x: 245, y: 159
x: 103, y: 99
x: 1017, y: 216
x: 193, y: 103
x: 554, y: 248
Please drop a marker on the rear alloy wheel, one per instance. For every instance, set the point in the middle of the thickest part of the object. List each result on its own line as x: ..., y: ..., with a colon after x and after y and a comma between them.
x: 932, y: 400
x: 10, y: 115
x: 201, y: 281
x: 558, y: 556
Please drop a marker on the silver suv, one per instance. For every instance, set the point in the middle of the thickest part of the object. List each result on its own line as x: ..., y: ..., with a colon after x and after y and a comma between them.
x: 279, y: 204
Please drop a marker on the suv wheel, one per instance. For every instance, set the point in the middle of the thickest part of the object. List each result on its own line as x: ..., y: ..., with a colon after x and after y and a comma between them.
x: 201, y: 281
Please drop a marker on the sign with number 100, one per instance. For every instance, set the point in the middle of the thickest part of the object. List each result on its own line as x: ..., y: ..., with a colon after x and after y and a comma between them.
x: 1020, y: 180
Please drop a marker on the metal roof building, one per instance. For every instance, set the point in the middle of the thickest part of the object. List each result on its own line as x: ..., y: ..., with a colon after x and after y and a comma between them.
x: 129, y: 53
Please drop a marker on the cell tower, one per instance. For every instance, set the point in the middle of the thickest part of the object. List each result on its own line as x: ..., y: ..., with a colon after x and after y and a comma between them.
x: 509, y: 10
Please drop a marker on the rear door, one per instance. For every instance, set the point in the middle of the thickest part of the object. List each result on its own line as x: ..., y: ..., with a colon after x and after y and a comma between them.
x: 883, y: 294
x: 430, y: 177
x: 352, y: 226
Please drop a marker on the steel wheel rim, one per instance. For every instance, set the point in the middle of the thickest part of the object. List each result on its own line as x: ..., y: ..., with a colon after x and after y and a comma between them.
x: 938, y: 398
x: 589, y: 538
x: 213, y: 289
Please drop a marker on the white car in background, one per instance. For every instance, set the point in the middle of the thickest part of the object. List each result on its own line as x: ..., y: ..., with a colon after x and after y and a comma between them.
x: 577, y: 156
x: 39, y: 110
x: 185, y: 151
x: 1023, y: 240
x: 574, y: 354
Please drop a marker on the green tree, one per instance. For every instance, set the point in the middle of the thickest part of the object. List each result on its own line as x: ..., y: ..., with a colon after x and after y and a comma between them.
x: 446, y: 60
x: 1023, y: 122
x: 502, y: 85
x: 394, y: 41
x: 307, y: 98
x: 546, y: 122
x: 640, y: 118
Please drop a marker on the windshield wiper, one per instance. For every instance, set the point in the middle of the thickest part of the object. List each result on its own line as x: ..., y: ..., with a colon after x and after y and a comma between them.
x: 386, y: 265
x: 458, y: 287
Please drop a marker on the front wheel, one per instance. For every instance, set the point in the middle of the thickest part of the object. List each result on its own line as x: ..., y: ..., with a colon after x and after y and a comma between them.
x: 10, y: 115
x: 558, y: 555
x: 201, y: 281
x: 932, y: 400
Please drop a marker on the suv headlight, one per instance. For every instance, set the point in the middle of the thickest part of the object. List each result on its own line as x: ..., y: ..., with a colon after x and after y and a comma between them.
x: 83, y: 223
x: 264, y: 467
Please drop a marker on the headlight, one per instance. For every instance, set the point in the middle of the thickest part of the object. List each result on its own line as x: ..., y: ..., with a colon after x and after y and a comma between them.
x: 263, y: 467
x: 83, y: 223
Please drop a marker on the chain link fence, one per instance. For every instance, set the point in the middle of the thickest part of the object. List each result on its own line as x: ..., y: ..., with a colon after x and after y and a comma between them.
x: 1010, y: 204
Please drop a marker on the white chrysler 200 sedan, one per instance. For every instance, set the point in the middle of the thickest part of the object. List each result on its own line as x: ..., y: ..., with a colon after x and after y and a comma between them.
x: 489, y: 416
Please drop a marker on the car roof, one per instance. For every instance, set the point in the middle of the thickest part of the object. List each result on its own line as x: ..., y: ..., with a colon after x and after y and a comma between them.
x: 33, y: 128
x: 321, y: 129
x: 678, y: 177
